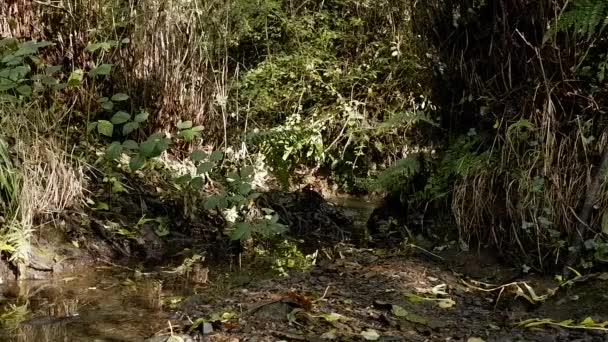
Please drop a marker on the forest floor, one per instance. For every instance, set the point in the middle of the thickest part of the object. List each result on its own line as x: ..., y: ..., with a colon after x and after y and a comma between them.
x: 346, y: 294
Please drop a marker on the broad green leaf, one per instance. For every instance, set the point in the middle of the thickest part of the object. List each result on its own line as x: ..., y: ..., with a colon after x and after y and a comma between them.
x: 182, y: 179
x: 197, y: 128
x: 120, y: 117
x: 49, y: 81
x: 198, y: 155
x: 137, y: 162
x: 108, y: 105
x: 187, y: 134
x: 184, y: 124
x: 18, y: 73
x: 141, y: 117
x: 24, y: 90
x: 8, y: 41
x: 91, y: 126
x: 212, y: 202
x: 102, y: 70
x: 6, y: 84
x: 105, y: 127
x: 103, y: 99
x: 114, y: 151
x: 130, y: 145
x: 147, y: 148
x: 51, y: 69
x: 101, y: 206
x: 129, y: 127
x: 244, y: 189
x: 120, y: 97
x: 216, y: 156
x: 75, y: 78
x: 232, y: 176
x: 241, y: 232
x: 204, y: 168
x: 246, y: 171
x: 197, y: 183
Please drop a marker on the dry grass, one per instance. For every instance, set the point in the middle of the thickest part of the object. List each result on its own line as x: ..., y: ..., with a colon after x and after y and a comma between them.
x: 530, y: 199
x: 48, y: 179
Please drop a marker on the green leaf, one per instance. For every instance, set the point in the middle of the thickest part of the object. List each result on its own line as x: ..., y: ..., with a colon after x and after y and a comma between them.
x: 197, y: 128
x: 216, y: 156
x: 102, y: 70
x: 246, y: 171
x: 197, y: 183
x: 147, y: 148
x: 75, y: 78
x: 129, y: 127
x: 141, y: 117
x: 137, y: 162
x: 120, y: 97
x: 184, y: 125
x: 108, y: 105
x: 51, y: 69
x: 24, y: 90
x: 49, y: 81
x: 187, y: 134
x: 182, y: 179
x: 399, y: 311
x: 120, y: 117
x: 204, y: 168
x: 198, y: 155
x: 105, y: 127
x: 101, y: 206
x: 245, y: 188
x: 130, y: 145
x: 6, y: 84
x: 232, y: 177
x: 242, y: 232
x: 212, y: 202
x: 91, y: 126
x: 114, y: 151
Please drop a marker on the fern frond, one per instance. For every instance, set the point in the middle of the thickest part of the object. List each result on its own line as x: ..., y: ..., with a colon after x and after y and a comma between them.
x: 395, y: 177
x: 587, y: 18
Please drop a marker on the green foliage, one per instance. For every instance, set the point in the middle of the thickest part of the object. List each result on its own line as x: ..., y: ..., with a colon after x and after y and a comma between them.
x: 22, y: 72
x: 397, y: 176
x: 585, y: 17
x: 291, y: 144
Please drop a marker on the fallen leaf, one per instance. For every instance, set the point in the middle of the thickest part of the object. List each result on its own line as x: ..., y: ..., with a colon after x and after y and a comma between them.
x: 332, y: 317
x: 370, y: 335
x: 330, y: 335
x: 475, y: 339
x: 446, y: 303
x: 399, y: 311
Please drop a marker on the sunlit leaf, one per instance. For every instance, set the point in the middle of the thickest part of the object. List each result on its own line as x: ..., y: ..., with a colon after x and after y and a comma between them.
x: 184, y: 124
x: 120, y: 97
x: 105, y: 127
x: 120, y: 117
x: 75, y: 78
x: 370, y: 335
x: 141, y: 117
